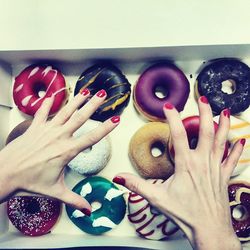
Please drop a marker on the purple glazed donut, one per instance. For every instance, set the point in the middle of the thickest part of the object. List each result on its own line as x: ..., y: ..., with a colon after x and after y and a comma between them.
x: 170, y: 80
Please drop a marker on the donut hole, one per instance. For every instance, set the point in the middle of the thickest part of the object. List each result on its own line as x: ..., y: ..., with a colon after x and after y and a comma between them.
x: 95, y: 205
x: 87, y: 150
x: 40, y: 89
x: 240, y: 213
x: 33, y: 207
x: 193, y: 142
x: 157, y: 149
x: 160, y: 91
x: 228, y: 86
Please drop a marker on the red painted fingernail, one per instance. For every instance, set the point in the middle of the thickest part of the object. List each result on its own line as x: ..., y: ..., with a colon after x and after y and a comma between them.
x: 101, y: 93
x: 86, y: 211
x: 168, y: 105
x: 204, y: 99
x: 115, y: 119
x: 84, y: 92
x: 242, y: 141
x: 119, y: 180
x: 226, y: 112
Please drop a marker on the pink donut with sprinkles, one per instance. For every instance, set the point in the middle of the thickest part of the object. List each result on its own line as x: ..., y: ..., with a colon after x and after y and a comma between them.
x: 147, y: 220
x: 33, y: 215
x: 34, y: 84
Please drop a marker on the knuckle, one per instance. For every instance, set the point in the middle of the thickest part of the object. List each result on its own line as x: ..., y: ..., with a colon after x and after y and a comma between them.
x: 219, y: 144
x: 207, y: 133
x: 178, y: 134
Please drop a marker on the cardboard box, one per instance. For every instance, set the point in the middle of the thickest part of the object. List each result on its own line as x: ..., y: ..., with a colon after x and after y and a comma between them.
x: 132, y: 61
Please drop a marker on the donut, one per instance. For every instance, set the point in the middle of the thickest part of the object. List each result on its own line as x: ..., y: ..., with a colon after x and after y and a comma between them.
x: 166, y: 78
x: 34, y: 80
x: 150, y: 136
x: 239, y: 198
x: 116, y: 85
x: 112, y: 205
x: 33, y: 215
x: 147, y: 220
x: 92, y: 160
x: 210, y: 84
x: 191, y: 125
x: 239, y: 129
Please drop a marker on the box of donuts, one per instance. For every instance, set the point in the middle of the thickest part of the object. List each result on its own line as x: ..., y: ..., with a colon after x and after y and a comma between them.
x: 138, y: 81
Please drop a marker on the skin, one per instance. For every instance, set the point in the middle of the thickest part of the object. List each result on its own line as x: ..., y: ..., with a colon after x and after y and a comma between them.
x: 196, y: 196
x: 35, y: 161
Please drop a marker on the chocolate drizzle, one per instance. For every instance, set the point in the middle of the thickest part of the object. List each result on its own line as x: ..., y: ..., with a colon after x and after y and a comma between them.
x: 111, y: 79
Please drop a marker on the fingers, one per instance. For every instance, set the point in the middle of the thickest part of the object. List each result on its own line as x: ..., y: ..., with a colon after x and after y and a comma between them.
x: 232, y: 160
x: 67, y: 111
x: 42, y: 113
x: 206, y: 130
x: 96, y: 134
x: 221, y: 135
x: 178, y: 132
x: 83, y: 114
x: 136, y: 184
x: 74, y: 200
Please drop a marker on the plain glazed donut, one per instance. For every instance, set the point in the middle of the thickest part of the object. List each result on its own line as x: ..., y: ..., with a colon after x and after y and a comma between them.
x: 151, y: 135
x: 116, y: 85
x: 34, y: 79
x: 239, y: 198
x: 147, y: 220
x: 91, y: 160
x: 33, y: 215
x: 171, y: 80
x: 209, y: 83
x: 108, y: 215
x: 191, y: 125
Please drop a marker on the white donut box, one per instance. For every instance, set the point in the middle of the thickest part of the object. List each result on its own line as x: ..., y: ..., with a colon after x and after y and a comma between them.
x: 132, y: 60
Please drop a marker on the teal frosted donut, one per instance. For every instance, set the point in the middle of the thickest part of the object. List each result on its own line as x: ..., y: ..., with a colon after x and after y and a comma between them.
x: 111, y: 211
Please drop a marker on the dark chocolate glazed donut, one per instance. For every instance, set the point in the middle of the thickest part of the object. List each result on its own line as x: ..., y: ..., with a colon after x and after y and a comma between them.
x: 167, y: 77
x: 239, y: 195
x: 209, y: 84
x: 111, y: 79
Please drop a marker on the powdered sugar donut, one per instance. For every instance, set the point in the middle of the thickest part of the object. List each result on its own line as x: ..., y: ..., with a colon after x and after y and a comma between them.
x: 91, y: 160
x: 148, y: 221
x: 32, y: 81
x: 33, y: 215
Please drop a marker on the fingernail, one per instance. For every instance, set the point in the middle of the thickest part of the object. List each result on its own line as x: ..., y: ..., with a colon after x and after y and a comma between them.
x: 115, y: 119
x: 168, y: 105
x: 242, y: 141
x: 101, y: 93
x: 84, y: 92
x: 119, y: 180
x: 226, y: 112
x: 86, y: 211
x: 204, y: 99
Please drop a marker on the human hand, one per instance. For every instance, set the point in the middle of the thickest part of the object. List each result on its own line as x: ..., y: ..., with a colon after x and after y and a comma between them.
x: 35, y: 161
x: 195, y: 197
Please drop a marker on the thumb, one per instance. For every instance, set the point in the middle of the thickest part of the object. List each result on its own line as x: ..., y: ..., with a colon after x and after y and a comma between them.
x: 135, y: 184
x: 74, y: 200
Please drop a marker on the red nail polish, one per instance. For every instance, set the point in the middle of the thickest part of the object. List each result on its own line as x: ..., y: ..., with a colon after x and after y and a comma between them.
x: 242, y: 141
x: 84, y: 92
x: 119, y: 180
x: 86, y: 211
x: 115, y: 119
x: 226, y: 112
x: 204, y: 99
x: 168, y: 105
x: 101, y: 93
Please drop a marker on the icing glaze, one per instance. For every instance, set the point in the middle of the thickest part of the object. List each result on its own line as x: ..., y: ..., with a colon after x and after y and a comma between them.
x: 86, y: 189
x: 113, y: 193
x: 103, y: 222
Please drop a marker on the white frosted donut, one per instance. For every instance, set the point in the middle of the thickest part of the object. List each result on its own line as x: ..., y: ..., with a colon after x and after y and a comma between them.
x: 91, y: 160
x: 239, y: 129
x: 148, y: 221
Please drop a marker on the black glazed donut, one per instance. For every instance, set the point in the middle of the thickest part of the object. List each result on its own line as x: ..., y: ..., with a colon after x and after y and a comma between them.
x: 111, y: 79
x: 209, y: 83
x: 167, y: 77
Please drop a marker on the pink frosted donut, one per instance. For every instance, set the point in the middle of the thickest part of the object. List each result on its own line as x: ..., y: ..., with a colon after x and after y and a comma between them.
x: 148, y: 221
x: 32, y: 81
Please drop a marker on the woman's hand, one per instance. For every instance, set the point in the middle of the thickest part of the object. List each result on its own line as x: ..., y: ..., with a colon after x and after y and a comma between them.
x: 35, y: 161
x: 196, y: 196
